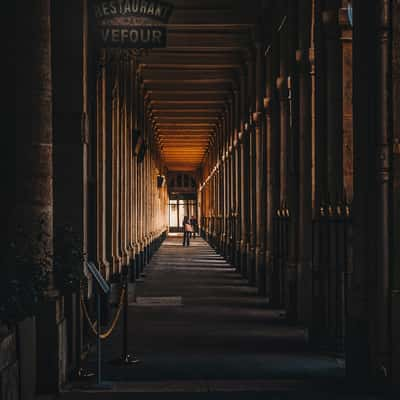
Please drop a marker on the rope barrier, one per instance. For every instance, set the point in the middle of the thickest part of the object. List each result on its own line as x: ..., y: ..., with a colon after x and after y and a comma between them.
x: 93, y: 325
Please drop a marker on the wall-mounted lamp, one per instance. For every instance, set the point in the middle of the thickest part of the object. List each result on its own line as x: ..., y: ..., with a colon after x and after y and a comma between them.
x: 160, y: 181
x: 137, y: 141
x: 142, y: 152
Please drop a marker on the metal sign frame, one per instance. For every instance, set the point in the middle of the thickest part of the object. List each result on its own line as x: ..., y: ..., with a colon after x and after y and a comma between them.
x: 101, y: 282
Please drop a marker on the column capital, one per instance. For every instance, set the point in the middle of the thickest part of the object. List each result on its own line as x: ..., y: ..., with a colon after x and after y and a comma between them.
x: 282, y: 86
x: 303, y: 59
x: 267, y: 103
x: 257, y: 118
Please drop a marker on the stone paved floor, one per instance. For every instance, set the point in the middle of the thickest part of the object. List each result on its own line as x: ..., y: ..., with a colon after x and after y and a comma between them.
x: 221, y: 339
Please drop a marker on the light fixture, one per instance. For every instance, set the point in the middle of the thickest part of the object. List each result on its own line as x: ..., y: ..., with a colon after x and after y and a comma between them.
x: 350, y: 13
x: 137, y: 141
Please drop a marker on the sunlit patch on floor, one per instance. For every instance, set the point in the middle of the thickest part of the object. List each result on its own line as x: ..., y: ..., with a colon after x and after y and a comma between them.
x: 158, y: 301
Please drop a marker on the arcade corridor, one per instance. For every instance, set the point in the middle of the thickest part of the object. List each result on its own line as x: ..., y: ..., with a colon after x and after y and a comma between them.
x: 211, y: 328
x: 274, y: 126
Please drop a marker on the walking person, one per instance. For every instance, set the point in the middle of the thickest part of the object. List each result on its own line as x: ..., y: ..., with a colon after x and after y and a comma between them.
x: 187, y: 230
x: 193, y: 223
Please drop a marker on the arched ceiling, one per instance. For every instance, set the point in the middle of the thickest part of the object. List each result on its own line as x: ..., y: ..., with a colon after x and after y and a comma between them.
x: 188, y: 83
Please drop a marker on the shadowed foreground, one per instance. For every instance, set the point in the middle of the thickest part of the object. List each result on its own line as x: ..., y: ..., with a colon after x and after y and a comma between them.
x: 218, y: 336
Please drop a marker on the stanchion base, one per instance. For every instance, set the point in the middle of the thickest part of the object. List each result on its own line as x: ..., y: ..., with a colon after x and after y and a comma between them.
x: 129, y: 359
x: 99, y: 387
x: 85, y: 374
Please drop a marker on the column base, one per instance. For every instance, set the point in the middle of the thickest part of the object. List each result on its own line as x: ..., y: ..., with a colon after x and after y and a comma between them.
x: 251, y: 272
x: 237, y: 261
x: 260, y: 271
x: 291, y: 293
x: 243, y: 259
x: 357, y: 350
x: 51, y: 328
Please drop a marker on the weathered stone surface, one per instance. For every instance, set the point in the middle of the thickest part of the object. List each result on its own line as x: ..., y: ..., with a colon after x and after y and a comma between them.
x: 8, y: 351
x: 9, y: 383
x: 62, y: 351
x: 27, y: 357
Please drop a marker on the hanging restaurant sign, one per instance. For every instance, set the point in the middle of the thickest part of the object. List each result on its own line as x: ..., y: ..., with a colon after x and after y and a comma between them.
x: 132, y: 23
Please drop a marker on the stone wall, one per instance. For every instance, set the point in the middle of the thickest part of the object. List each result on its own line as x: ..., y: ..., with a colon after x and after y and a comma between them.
x: 9, y: 371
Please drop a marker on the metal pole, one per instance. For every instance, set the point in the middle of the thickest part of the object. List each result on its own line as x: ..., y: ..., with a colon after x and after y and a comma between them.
x: 98, y: 337
x: 126, y: 358
x: 125, y: 324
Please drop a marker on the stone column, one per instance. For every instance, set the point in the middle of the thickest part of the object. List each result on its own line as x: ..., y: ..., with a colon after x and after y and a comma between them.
x: 108, y: 111
x: 34, y: 128
x: 347, y: 100
x: 272, y: 168
x: 260, y: 188
x: 334, y: 143
x: 395, y: 298
x: 116, y: 172
x: 226, y: 186
x: 333, y: 101
x: 304, y: 235
x: 130, y: 162
x: 75, y: 185
x: 244, y: 189
x: 141, y: 187
x: 282, y: 83
x: 383, y: 133
x: 123, y: 164
x: 237, y: 178
x: 252, y: 172
x: 231, y: 182
x: 101, y: 167
x: 135, y: 183
x: 368, y: 350
x: 284, y: 112
x: 34, y: 173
